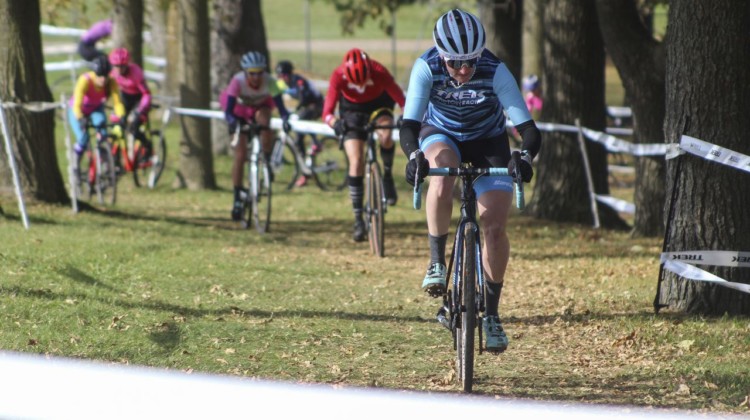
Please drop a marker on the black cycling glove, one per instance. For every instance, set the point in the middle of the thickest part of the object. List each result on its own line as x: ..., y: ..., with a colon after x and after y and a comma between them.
x: 523, y: 169
x: 417, y: 168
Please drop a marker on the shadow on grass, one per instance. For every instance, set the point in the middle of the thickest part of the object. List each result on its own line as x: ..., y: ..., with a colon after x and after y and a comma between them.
x: 81, y: 277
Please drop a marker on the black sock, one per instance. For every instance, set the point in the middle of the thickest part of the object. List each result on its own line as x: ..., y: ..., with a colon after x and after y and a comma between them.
x: 357, y: 193
x: 237, y: 193
x: 437, y: 248
x: 387, y: 156
x: 493, y: 297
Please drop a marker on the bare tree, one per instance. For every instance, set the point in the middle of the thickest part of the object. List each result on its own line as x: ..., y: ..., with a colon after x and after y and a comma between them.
x: 22, y: 81
x: 640, y: 60
x: 196, y: 159
x: 127, y: 27
x: 532, y: 45
x: 238, y: 27
x: 574, y: 82
x: 708, y: 71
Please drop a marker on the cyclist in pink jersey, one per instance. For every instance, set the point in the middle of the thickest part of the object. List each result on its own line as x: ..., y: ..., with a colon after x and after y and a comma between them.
x: 362, y: 86
x: 251, y: 95
x: 533, y: 95
x: 134, y: 92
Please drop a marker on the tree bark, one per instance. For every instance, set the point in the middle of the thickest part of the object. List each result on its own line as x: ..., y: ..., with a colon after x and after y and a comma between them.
x: 23, y: 80
x: 574, y: 81
x: 641, y: 61
x: 127, y: 28
x: 196, y: 159
x: 238, y: 28
x: 708, y: 71
x: 531, y: 38
x: 502, y: 20
x: 156, y: 19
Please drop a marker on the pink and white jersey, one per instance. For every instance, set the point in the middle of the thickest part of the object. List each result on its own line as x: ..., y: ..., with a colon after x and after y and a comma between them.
x: 248, y: 96
x: 134, y: 83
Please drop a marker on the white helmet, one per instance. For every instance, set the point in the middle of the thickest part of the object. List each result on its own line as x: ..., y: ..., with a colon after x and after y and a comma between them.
x: 459, y: 35
x: 253, y: 60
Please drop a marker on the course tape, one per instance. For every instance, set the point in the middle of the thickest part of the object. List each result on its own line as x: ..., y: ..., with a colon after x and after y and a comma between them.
x: 617, y: 204
x: 33, y: 106
x: 720, y: 258
x: 712, y: 152
x: 694, y: 273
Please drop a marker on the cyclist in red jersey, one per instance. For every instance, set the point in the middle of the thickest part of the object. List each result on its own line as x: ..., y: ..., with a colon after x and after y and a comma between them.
x: 134, y: 92
x: 362, y: 86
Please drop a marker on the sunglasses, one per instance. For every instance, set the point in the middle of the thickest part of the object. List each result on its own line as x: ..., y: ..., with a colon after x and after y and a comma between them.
x: 254, y: 72
x: 457, y: 64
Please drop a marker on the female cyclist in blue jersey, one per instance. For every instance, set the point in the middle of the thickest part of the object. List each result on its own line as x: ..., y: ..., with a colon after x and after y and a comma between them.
x: 458, y: 93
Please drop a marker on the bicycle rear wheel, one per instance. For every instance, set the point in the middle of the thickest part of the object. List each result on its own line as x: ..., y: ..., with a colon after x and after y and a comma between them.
x: 260, y: 194
x: 329, y: 165
x: 375, y: 209
x: 105, y: 183
x: 468, y: 313
x: 284, y: 161
x: 148, y: 164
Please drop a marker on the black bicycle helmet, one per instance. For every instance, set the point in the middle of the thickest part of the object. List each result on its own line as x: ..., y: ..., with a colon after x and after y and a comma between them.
x: 101, y: 65
x: 284, y: 67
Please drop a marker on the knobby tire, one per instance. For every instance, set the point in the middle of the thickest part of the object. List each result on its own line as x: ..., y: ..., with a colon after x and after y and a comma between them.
x: 467, y: 327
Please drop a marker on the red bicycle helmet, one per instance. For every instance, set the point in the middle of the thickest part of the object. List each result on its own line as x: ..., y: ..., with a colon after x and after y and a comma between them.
x: 357, y: 66
x: 119, y: 57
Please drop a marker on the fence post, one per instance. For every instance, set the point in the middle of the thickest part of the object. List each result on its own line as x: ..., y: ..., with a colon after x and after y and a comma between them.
x: 589, y: 178
x: 13, y: 170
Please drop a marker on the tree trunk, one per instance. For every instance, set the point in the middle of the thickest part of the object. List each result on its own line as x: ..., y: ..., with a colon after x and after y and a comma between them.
x: 196, y: 159
x: 238, y: 28
x: 156, y: 19
x: 574, y: 82
x: 173, y: 55
x: 533, y: 53
x: 708, y: 71
x: 127, y: 28
x: 502, y: 20
x: 22, y: 80
x: 640, y: 60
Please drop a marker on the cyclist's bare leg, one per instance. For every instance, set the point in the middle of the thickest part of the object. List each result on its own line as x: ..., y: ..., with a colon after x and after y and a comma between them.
x: 263, y: 117
x: 355, y: 152
x: 439, y: 199
x: 385, y: 136
x: 238, y: 165
x: 493, y: 208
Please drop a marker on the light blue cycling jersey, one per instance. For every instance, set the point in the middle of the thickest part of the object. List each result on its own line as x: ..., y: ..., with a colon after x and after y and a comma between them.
x: 471, y: 111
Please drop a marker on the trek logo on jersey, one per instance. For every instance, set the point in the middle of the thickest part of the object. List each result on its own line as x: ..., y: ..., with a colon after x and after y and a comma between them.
x: 462, y: 97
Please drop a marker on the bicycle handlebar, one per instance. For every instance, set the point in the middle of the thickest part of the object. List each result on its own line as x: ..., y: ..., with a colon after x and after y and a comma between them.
x: 471, y: 172
x: 246, y: 127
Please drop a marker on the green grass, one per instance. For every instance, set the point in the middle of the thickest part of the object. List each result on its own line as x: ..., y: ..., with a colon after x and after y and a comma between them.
x: 164, y: 279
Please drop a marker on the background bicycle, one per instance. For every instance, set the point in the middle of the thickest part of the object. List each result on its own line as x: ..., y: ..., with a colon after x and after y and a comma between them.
x: 325, y: 163
x: 464, y: 301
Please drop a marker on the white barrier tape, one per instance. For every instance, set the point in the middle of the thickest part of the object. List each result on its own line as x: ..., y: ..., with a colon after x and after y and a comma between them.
x: 619, y: 169
x: 619, y: 111
x: 193, y: 112
x: 64, y: 65
x: 616, y: 145
x: 622, y: 131
x: 33, y: 106
x: 720, y: 258
x: 59, y: 31
x: 617, y: 204
x: 694, y: 273
x: 715, y: 153
x: 301, y: 126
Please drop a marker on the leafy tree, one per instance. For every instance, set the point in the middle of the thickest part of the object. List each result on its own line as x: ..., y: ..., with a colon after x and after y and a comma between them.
x: 708, y: 71
x: 573, y: 78
x: 22, y: 81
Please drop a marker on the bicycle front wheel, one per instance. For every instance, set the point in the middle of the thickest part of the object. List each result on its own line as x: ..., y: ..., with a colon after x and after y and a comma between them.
x: 105, y: 177
x: 467, y: 325
x: 149, y: 159
x: 329, y: 165
x: 375, y: 209
x: 260, y: 194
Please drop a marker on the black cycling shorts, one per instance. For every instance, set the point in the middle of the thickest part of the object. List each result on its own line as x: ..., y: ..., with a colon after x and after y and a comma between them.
x: 493, y: 152
x: 357, y: 115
